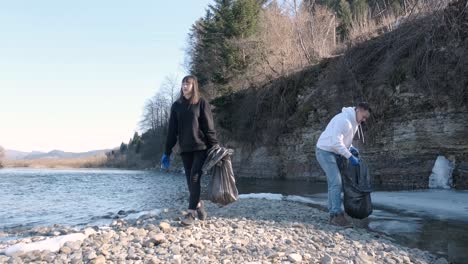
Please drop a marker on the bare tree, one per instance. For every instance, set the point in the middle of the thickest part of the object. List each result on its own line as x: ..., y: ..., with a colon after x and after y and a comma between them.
x: 290, y: 38
x: 155, y: 113
x: 170, y: 87
x: 148, y: 120
x: 157, y: 109
x: 162, y: 107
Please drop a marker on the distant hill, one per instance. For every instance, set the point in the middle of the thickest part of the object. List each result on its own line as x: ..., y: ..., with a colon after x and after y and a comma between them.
x: 54, y: 154
x: 15, y: 155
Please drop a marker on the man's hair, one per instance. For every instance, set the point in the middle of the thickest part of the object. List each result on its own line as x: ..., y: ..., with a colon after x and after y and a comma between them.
x: 364, y: 106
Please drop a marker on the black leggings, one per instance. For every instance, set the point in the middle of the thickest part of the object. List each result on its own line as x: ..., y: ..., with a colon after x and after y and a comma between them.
x: 193, y: 163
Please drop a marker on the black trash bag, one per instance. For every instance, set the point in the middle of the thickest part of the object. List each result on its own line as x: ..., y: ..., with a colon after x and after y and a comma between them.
x: 222, y: 186
x: 356, y: 189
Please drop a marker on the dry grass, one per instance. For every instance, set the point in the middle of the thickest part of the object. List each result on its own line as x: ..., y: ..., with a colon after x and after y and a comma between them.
x: 91, y: 162
x: 288, y: 41
x: 382, y: 21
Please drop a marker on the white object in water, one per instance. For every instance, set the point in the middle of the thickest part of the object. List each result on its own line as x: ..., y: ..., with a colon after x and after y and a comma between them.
x: 441, y: 176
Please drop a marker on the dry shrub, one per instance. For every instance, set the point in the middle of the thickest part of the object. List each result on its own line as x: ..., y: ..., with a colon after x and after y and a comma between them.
x: 288, y: 41
x: 384, y: 19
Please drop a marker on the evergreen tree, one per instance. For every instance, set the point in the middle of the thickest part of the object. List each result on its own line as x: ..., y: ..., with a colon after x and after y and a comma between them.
x: 135, y: 139
x: 214, y: 58
x: 344, y: 13
x: 123, y: 148
x: 138, y: 146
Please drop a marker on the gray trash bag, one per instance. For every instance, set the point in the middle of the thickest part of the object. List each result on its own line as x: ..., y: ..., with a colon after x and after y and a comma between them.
x: 357, y: 189
x: 222, y: 186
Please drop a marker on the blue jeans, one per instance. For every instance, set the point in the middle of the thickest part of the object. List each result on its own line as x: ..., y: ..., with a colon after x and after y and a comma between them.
x: 328, y: 162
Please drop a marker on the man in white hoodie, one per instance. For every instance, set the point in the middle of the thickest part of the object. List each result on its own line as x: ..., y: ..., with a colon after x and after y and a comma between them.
x: 336, y: 141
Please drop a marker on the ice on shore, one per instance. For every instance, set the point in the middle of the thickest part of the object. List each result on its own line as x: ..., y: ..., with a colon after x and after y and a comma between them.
x: 52, y: 244
x: 438, y: 204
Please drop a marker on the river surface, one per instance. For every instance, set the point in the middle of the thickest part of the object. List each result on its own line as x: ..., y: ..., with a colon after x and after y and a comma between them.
x: 32, y: 198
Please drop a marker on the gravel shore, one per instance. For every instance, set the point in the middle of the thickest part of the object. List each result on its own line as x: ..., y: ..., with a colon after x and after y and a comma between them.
x: 248, y: 231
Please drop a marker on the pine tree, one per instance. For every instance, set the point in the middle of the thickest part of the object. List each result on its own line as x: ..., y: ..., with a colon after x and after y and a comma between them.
x: 213, y: 56
x: 245, y: 18
x: 123, y: 148
x: 135, y: 139
x: 344, y: 13
x: 138, y: 146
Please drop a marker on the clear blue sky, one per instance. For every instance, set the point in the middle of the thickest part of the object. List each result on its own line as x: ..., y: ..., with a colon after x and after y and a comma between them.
x: 74, y: 75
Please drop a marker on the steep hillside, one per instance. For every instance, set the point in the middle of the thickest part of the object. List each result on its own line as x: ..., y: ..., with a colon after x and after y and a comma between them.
x: 416, y: 79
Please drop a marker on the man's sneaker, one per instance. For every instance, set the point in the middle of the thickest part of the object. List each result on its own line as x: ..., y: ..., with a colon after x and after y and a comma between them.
x: 189, y: 219
x: 201, y: 211
x: 340, y: 220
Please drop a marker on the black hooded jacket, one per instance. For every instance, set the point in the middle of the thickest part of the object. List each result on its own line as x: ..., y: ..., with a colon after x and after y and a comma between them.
x: 192, y: 125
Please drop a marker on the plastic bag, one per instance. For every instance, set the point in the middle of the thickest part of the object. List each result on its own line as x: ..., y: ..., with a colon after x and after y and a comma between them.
x: 222, y: 187
x: 356, y: 189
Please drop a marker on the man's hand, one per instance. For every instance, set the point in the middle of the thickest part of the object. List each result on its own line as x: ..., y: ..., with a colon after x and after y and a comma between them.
x: 354, y: 161
x: 354, y: 151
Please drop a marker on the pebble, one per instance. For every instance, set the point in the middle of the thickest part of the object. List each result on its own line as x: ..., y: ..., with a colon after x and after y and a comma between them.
x: 295, y: 258
x: 165, y: 227
x: 247, y: 231
x: 99, y: 260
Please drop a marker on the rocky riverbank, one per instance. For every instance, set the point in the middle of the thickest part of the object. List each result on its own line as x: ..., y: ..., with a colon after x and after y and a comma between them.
x: 248, y: 231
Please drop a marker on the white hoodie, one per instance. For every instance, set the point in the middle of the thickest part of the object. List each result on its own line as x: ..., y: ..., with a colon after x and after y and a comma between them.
x: 339, y: 134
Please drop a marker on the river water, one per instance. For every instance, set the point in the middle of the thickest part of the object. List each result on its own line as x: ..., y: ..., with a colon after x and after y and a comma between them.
x: 32, y: 198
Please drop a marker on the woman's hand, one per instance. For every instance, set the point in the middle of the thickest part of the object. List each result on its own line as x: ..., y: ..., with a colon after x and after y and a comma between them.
x: 165, y: 161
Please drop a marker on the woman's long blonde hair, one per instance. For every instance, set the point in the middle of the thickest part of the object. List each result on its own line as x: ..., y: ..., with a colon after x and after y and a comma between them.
x: 195, y: 92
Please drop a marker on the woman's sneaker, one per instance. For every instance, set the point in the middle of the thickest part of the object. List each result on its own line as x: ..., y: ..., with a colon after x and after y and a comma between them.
x: 202, y: 214
x: 189, y: 219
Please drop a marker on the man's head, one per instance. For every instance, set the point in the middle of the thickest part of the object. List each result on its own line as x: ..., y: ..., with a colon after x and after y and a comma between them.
x: 362, y: 112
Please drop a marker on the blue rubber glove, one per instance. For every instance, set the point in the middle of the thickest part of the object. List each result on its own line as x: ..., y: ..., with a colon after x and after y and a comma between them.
x: 355, y: 150
x: 354, y: 161
x: 165, y: 162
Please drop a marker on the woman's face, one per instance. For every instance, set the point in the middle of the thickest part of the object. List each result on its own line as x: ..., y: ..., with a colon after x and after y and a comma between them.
x: 187, y: 89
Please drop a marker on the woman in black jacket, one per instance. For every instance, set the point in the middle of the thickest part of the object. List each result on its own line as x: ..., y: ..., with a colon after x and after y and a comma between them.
x: 191, y: 124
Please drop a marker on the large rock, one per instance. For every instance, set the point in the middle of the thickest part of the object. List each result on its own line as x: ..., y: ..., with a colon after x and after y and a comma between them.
x: 401, y: 153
